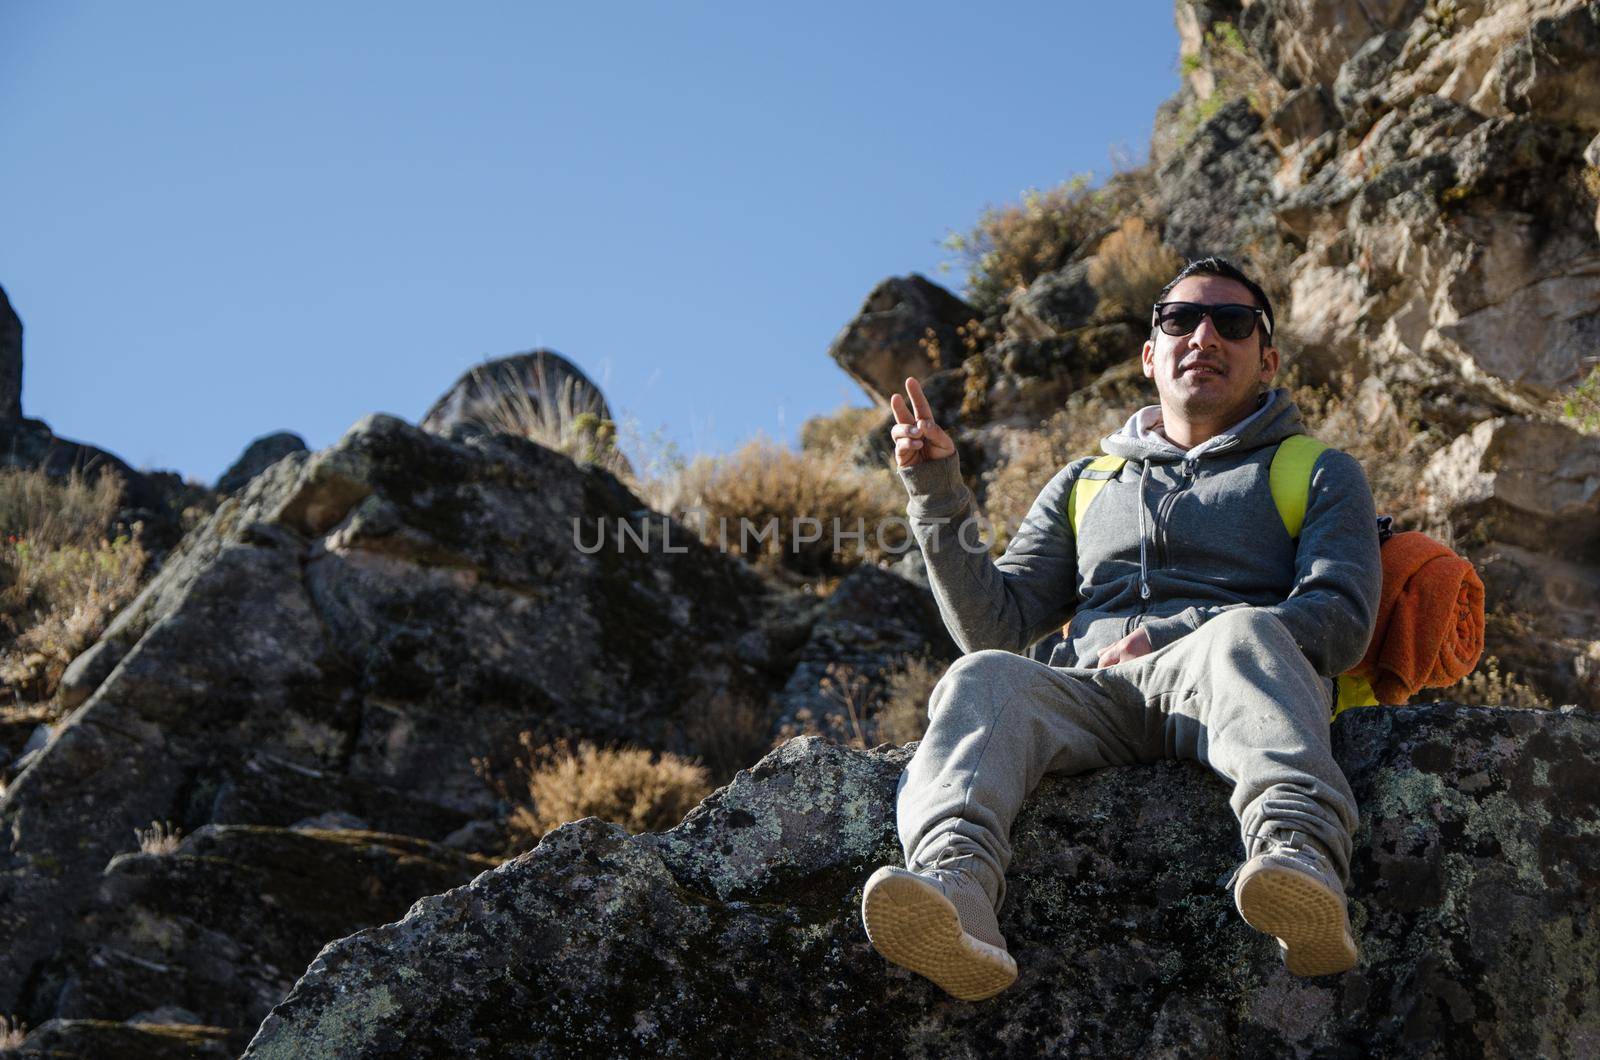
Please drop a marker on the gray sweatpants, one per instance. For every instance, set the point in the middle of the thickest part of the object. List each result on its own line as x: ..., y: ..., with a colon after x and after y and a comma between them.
x: 1236, y: 694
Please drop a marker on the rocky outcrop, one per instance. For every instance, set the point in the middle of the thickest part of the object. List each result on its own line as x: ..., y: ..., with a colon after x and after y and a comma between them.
x: 259, y: 455
x: 1527, y: 493
x: 10, y: 360
x: 344, y: 637
x: 1476, y: 874
x: 224, y: 924
x: 889, y: 337
x: 153, y: 502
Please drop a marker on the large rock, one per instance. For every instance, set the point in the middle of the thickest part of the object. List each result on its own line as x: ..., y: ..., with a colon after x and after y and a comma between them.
x: 10, y: 360
x: 1521, y: 499
x: 1215, y: 194
x: 1476, y: 879
x: 1527, y: 482
x: 376, y: 615
x: 888, y: 339
x: 225, y: 923
x: 259, y: 455
x: 1553, y: 70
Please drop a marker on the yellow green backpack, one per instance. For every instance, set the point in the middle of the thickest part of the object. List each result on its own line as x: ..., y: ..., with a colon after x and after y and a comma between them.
x: 1290, y: 480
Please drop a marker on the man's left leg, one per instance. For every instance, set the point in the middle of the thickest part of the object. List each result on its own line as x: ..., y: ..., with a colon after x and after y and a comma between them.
x: 1240, y: 696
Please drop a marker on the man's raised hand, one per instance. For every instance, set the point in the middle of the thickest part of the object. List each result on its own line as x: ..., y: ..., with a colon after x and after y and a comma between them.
x: 916, y: 437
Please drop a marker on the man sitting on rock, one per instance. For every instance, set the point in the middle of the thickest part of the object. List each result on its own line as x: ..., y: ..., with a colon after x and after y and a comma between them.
x: 1199, y: 629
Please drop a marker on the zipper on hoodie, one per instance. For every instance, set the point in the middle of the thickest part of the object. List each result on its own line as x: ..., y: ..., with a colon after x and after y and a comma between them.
x: 1164, y: 510
x: 1166, y: 504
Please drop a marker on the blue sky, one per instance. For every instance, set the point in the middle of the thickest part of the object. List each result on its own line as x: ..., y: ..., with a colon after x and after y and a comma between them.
x: 223, y: 220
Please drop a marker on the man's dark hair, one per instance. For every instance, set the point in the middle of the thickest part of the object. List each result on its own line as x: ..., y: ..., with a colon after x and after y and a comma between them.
x: 1215, y: 266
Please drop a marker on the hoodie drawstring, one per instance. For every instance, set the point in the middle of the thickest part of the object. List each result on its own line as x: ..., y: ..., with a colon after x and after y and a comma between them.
x: 1144, y: 577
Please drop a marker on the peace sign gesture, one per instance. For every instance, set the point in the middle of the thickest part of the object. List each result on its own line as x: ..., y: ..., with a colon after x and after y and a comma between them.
x: 917, y: 438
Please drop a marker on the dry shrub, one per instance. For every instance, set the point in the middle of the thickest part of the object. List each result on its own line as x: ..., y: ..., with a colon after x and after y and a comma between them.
x: 729, y: 733
x: 1129, y: 269
x: 56, y: 514
x: 1013, y: 245
x: 162, y: 837
x: 904, y: 714
x: 841, y: 430
x: 1487, y: 686
x: 630, y: 786
x: 61, y: 580
x: 777, y: 492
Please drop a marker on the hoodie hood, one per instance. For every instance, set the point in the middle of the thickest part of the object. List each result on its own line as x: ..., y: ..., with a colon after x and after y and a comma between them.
x: 1276, y: 418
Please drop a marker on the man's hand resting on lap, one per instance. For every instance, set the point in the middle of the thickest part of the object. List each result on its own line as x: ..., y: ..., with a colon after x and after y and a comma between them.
x: 1132, y: 646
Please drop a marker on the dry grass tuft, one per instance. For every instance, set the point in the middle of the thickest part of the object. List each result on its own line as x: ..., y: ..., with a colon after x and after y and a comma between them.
x: 61, y: 580
x: 630, y: 786
x: 1392, y: 447
x: 896, y: 715
x: 764, y: 501
x: 1487, y: 686
x: 904, y: 714
x: 162, y: 837
x: 569, y: 418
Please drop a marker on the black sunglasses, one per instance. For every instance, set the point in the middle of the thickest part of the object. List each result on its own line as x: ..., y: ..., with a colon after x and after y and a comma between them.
x: 1233, y: 320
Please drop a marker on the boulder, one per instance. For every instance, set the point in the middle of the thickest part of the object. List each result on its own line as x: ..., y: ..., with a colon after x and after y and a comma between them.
x: 1553, y: 70
x: 1526, y: 482
x: 257, y: 457
x: 1474, y: 902
x: 888, y: 338
x: 225, y: 923
x: 376, y: 616
x: 10, y: 360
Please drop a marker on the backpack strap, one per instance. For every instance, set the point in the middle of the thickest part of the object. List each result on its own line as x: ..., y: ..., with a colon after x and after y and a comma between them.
x: 1290, y: 479
x: 1352, y: 690
x: 1088, y: 484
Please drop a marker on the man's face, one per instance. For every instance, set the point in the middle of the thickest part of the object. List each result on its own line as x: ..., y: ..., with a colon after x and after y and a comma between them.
x: 1202, y: 375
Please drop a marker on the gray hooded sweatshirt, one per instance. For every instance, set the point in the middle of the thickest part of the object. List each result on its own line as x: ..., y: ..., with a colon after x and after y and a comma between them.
x: 1172, y: 540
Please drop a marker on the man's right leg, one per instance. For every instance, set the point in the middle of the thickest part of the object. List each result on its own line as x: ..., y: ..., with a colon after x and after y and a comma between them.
x: 997, y: 723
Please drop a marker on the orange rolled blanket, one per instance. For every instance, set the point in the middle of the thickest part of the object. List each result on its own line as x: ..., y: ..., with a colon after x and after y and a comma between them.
x: 1429, y: 632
